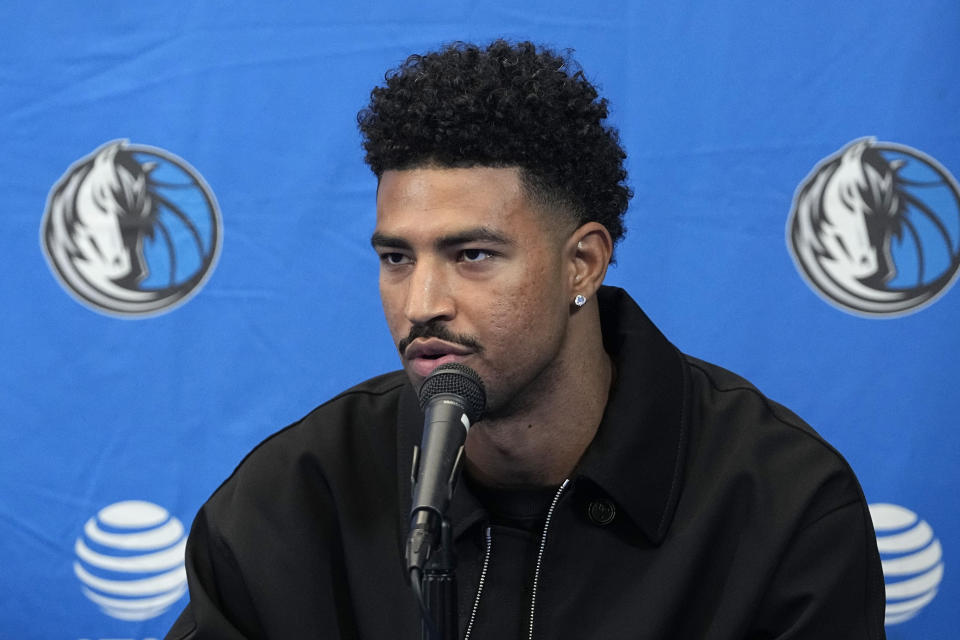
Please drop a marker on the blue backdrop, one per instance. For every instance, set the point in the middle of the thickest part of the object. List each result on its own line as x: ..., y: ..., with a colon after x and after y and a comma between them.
x: 126, y: 404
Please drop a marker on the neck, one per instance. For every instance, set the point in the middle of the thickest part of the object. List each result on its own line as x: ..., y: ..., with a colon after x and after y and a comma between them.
x: 541, y: 443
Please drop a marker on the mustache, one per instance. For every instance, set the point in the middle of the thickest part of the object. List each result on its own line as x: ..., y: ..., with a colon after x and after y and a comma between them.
x: 439, y: 331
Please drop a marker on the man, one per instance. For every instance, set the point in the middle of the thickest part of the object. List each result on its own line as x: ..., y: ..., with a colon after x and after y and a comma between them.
x: 614, y: 488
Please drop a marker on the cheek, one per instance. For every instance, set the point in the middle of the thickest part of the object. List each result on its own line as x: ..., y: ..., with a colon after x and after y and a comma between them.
x: 392, y: 302
x: 527, y: 313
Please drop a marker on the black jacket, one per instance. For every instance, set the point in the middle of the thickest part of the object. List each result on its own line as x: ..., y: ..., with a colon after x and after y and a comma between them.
x: 701, y: 510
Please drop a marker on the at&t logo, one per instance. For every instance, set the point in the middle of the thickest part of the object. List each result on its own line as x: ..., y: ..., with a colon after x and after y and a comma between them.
x: 130, y: 560
x: 875, y: 229
x: 912, y: 560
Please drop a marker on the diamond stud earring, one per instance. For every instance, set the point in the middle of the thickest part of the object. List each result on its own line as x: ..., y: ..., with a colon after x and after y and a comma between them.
x: 580, y: 300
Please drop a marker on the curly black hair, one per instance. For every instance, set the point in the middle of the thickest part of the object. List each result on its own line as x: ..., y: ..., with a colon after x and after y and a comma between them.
x: 505, y: 105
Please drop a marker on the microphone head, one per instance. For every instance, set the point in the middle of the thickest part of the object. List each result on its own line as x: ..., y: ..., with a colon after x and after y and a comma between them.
x: 460, y: 380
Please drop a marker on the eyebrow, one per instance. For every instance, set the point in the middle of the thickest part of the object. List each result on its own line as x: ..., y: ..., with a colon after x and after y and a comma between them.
x: 477, y: 234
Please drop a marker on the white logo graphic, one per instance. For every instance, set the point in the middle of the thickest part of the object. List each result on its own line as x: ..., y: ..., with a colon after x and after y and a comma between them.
x: 875, y: 229
x: 131, y: 230
x: 912, y: 560
x: 130, y: 560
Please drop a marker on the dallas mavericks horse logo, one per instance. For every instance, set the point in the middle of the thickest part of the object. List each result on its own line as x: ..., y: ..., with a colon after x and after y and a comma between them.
x: 131, y: 230
x: 875, y: 229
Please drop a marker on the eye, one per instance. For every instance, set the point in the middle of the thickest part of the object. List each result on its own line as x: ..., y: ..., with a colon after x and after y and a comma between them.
x: 475, y: 255
x: 393, y: 259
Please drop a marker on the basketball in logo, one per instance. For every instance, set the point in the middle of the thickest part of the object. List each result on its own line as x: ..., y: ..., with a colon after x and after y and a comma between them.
x: 875, y: 229
x: 131, y: 230
x: 130, y: 560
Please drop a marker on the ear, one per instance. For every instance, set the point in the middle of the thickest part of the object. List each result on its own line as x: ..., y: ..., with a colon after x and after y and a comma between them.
x: 588, y: 250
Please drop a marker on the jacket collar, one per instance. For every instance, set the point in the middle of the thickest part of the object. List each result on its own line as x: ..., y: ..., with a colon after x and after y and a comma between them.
x: 638, y: 454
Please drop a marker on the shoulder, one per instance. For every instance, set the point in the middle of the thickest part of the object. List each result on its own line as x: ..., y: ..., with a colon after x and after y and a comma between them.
x: 727, y: 398
x: 763, y: 448
x: 344, y: 437
x: 725, y: 391
x: 369, y: 405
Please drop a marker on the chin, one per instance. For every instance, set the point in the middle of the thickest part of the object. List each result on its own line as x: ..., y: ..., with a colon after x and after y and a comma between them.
x: 415, y: 379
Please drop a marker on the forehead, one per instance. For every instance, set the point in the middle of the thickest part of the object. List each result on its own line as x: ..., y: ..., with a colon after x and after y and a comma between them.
x: 413, y: 200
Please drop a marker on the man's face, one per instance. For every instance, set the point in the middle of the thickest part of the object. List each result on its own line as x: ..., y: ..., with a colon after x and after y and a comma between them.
x: 470, y: 272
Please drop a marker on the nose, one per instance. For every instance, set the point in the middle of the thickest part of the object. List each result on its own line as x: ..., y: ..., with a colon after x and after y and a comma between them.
x: 429, y: 297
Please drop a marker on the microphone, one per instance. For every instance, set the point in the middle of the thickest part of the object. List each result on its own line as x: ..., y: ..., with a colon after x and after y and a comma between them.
x: 452, y: 397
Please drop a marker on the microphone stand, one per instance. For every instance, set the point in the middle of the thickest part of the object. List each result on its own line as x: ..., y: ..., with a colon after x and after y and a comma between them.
x: 439, y: 587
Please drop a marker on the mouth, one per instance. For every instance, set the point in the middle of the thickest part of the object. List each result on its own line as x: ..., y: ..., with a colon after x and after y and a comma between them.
x: 426, y: 355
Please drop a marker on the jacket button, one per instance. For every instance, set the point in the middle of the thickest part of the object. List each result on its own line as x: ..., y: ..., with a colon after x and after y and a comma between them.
x: 601, y: 511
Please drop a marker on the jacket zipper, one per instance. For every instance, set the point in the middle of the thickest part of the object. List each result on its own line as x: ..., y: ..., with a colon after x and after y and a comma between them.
x: 536, y: 574
x: 543, y: 545
x: 483, y: 578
